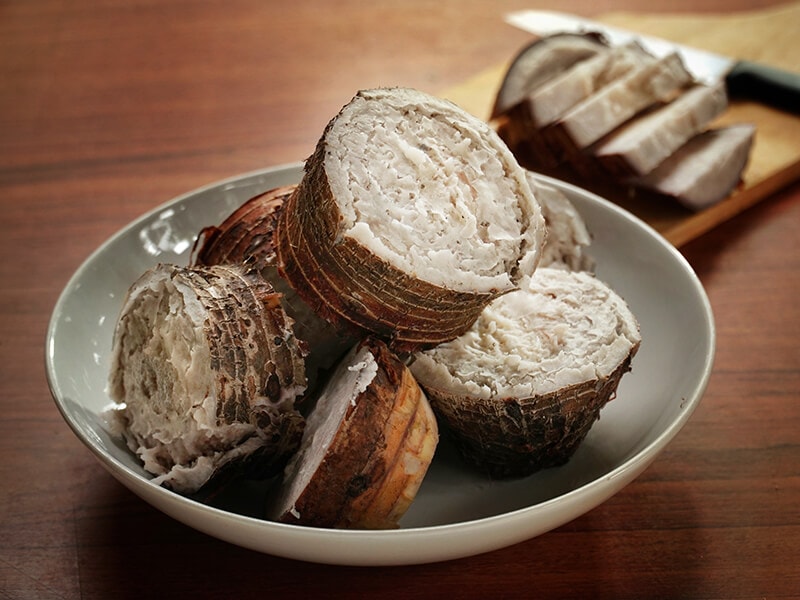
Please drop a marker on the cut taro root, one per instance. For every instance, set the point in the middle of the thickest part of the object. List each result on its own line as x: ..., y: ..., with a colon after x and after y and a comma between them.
x: 540, y: 61
x: 520, y: 391
x: 641, y: 145
x: 411, y: 216
x: 567, y: 235
x: 616, y: 103
x: 245, y: 238
x: 706, y: 169
x: 556, y: 97
x: 526, y: 123
x: 366, y: 449
x: 205, y: 375
x: 628, y: 130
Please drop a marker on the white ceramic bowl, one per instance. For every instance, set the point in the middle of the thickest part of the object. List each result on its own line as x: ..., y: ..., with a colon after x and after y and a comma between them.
x: 457, y: 512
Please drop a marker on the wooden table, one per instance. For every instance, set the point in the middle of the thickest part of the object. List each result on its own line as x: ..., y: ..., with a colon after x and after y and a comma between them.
x: 108, y: 109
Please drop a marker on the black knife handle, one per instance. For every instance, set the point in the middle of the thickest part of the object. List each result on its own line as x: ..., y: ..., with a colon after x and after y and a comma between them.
x: 762, y: 83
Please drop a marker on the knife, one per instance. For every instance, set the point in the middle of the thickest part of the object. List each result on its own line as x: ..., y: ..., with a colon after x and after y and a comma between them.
x: 744, y: 79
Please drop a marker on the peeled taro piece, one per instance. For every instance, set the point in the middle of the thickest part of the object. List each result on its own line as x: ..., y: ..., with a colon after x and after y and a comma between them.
x: 553, y: 99
x: 411, y: 216
x: 205, y: 374
x: 366, y: 449
x: 705, y: 170
x: 643, y: 143
x: 541, y: 67
x: 522, y: 388
x: 654, y: 81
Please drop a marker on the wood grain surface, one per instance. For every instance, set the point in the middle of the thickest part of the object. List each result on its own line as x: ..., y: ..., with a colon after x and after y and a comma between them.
x: 108, y: 109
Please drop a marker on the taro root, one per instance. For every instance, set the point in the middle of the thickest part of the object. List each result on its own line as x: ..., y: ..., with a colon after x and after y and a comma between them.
x: 616, y: 103
x: 621, y: 124
x: 538, y: 65
x: 245, y: 238
x: 205, y: 375
x: 365, y: 450
x: 642, y: 144
x: 567, y: 236
x: 521, y: 389
x: 540, y: 61
x: 547, y: 103
x: 411, y: 216
x: 527, y: 122
x: 704, y: 170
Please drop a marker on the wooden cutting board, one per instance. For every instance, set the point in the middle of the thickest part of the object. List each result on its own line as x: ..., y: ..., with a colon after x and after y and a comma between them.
x: 771, y: 36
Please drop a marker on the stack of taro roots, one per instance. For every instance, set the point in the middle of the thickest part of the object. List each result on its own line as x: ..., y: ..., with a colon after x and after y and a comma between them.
x: 416, y: 280
x: 618, y: 115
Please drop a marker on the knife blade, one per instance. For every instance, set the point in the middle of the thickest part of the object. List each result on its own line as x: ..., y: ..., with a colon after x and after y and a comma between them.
x: 744, y: 79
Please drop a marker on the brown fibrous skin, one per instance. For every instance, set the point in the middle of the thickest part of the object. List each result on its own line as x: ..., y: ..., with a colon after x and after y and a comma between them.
x: 351, y: 287
x: 273, y: 363
x: 273, y: 359
x: 246, y: 238
x: 256, y: 371
x: 246, y: 235
x: 515, y: 437
x: 364, y: 480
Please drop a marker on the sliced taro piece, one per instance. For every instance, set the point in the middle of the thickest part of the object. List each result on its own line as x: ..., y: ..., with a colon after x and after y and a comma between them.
x: 540, y: 61
x: 705, y: 170
x: 641, y: 145
x: 615, y: 104
x: 553, y: 99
